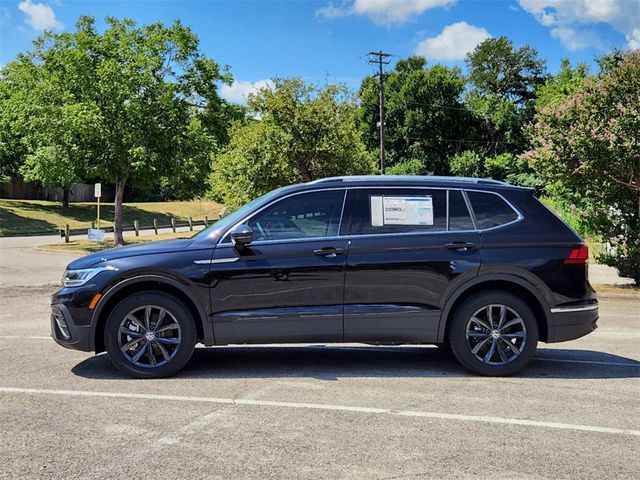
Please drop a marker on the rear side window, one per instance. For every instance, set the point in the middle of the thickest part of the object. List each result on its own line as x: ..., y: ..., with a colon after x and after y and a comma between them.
x: 383, y: 210
x: 490, y: 210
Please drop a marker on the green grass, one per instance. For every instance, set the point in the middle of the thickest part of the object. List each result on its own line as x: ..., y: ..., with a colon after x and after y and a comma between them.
x: 85, y: 246
x: 23, y: 217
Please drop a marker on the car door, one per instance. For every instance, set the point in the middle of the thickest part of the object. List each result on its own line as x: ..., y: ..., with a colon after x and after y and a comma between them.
x: 409, y: 248
x: 287, y: 285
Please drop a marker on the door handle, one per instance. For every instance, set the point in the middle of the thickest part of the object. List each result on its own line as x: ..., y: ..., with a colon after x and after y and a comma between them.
x: 460, y: 246
x: 329, y: 252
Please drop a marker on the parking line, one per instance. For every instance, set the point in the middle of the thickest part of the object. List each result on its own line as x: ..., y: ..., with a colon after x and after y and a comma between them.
x: 23, y: 337
x: 326, y: 407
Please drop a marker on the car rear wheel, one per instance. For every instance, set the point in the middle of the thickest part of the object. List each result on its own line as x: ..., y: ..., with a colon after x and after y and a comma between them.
x: 150, y: 335
x: 493, y: 333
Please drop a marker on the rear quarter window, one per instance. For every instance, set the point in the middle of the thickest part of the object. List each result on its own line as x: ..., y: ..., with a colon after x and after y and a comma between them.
x: 490, y: 210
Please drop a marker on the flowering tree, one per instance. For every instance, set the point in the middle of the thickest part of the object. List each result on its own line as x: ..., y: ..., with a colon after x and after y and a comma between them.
x: 587, y: 150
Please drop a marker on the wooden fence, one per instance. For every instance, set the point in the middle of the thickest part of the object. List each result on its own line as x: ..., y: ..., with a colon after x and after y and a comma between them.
x: 18, y: 189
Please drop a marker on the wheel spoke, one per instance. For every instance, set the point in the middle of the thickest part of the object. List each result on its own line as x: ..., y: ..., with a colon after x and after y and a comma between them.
x: 171, y: 326
x: 514, y: 335
x: 482, y: 323
x: 511, y: 323
x: 169, y: 341
x: 503, y: 316
x: 135, y: 321
x: 163, y: 350
x: 489, y: 317
x: 147, y: 317
x: 473, y: 334
x: 161, y: 316
x: 501, y: 352
x: 151, y: 356
x: 492, y: 350
x: 512, y: 347
x: 131, y: 333
x: 129, y: 345
x: 141, y: 352
x: 477, y: 348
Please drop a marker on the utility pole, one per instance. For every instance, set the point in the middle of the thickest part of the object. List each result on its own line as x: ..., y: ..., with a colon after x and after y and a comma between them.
x: 379, y: 58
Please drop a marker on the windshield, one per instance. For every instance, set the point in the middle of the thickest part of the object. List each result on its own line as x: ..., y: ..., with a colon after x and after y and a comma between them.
x: 235, y: 216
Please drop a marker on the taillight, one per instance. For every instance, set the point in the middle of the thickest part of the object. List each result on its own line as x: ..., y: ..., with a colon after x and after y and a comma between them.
x: 578, y: 255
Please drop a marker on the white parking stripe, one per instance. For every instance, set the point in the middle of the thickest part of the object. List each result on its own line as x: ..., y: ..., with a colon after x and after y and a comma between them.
x: 23, y: 337
x: 327, y: 407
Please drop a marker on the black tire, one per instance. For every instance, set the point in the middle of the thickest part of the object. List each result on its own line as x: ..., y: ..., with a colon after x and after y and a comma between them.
x: 169, y: 350
x: 466, y: 333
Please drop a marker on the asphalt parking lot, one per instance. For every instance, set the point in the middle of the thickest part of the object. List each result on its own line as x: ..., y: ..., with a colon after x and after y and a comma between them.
x: 311, y: 411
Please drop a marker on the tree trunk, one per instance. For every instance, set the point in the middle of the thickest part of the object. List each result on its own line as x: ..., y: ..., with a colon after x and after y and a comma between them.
x: 65, y: 197
x: 118, y: 239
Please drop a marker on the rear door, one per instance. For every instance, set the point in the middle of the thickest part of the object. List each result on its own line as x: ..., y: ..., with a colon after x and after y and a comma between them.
x: 409, y: 248
x: 288, y: 284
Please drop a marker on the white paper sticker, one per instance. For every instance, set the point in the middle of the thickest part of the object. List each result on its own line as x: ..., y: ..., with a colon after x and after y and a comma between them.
x: 387, y: 210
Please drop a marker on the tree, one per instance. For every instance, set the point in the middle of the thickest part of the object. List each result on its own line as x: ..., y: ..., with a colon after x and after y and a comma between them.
x: 301, y: 133
x: 587, y: 149
x: 426, y: 121
x: 504, y: 81
x: 127, y: 106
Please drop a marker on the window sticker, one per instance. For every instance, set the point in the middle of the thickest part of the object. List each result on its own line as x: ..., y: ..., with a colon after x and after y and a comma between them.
x: 387, y: 210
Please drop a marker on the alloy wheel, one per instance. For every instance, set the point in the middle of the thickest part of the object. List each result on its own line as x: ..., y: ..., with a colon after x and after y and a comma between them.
x: 149, y: 336
x: 496, y: 334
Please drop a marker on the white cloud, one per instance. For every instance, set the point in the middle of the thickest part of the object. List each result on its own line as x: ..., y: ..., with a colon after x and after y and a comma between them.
x: 634, y: 39
x: 239, y: 91
x: 453, y: 43
x: 383, y: 12
x: 565, y: 15
x: 40, y: 16
x: 574, y: 40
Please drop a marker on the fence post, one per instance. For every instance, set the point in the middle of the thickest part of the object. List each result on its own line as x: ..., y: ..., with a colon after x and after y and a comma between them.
x: 136, y: 226
x: 173, y: 224
x: 66, y: 234
x: 155, y: 225
x: 191, y: 224
x: 206, y: 221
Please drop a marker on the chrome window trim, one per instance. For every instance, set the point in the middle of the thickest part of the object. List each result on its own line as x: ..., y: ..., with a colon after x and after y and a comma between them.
x: 255, y: 212
x: 346, y: 189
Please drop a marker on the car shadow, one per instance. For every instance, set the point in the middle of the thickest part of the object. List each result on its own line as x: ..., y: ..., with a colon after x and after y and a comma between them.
x: 333, y: 362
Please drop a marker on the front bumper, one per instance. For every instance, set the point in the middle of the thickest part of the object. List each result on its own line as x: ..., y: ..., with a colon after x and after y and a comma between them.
x: 571, y: 322
x: 66, y: 332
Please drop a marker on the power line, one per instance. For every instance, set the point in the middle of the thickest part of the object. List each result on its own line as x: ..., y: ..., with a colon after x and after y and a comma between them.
x: 379, y: 58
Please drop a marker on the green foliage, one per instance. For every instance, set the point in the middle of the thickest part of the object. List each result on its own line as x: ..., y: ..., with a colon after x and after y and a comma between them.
x: 563, y: 85
x: 130, y: 105
x: 408, y: 167
x: 497, y: 68
x: 424, y: 114
x: 587, y: 150
x: 505, y: 167
x: 303, y: 133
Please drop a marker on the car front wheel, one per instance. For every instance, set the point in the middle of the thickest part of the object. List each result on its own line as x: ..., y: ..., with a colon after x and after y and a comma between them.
x: 150, y: 335
x: 493, y: 333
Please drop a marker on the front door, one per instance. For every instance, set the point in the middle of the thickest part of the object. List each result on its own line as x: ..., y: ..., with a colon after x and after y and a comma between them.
x: 288, y: 284
x: 409, y: 247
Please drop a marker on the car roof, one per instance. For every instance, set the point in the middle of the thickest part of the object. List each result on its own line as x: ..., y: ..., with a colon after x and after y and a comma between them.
x: 409, y: 180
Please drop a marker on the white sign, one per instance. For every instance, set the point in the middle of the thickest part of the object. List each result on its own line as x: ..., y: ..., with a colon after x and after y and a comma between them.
x: 95, y: 235
x: 98, y: 190
x: 387, y: 210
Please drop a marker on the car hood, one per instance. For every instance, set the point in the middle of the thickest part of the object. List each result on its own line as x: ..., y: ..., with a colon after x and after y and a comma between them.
x: 148, y: 248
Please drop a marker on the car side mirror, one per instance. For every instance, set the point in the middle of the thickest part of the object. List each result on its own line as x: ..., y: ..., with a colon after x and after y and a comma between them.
x: 241, y: 236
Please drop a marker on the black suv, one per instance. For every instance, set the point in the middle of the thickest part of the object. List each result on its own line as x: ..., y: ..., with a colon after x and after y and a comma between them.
x: 477, y: 265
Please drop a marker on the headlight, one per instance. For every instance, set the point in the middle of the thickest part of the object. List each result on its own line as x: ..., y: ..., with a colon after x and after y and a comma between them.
x: 75, y: 278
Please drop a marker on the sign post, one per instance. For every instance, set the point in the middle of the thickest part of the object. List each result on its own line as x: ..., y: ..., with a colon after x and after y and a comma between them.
x: 95, y: 234
x: 98, y: 194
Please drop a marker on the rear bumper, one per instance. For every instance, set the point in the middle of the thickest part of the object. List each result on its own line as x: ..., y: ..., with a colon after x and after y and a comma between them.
x: 571, y: 322
x: 65, y: 332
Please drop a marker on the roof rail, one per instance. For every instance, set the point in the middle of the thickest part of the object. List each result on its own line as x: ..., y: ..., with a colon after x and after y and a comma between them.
x: 404, y: 178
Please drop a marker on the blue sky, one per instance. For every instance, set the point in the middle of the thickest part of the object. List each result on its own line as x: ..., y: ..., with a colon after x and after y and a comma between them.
x: 324, y: 40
